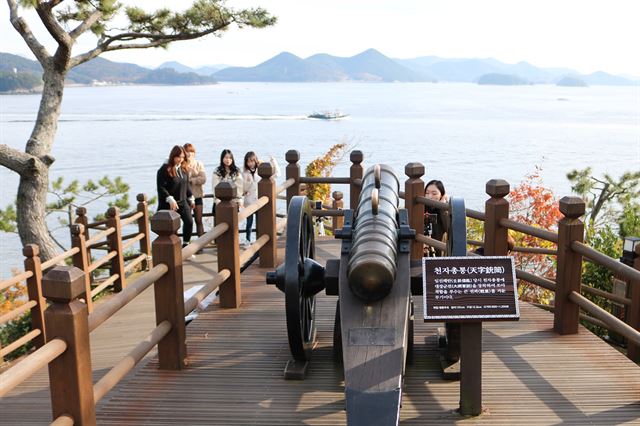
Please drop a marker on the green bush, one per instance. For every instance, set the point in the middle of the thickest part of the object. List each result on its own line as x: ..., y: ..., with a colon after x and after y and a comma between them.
x: 14, y: 330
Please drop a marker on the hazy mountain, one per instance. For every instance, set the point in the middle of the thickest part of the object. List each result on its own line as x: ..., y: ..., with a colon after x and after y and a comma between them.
x: 501, y: 79
x: 369, y: 65
x: 176, y: 66
x: 571, y: 81
x: 210, y: 69
x: 173, y: 77
x: 470, y: 70
x: 606, y: 79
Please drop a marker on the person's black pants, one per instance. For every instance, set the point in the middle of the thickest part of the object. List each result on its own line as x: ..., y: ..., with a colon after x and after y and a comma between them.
x: 184, y: 210
x: 249, y: 226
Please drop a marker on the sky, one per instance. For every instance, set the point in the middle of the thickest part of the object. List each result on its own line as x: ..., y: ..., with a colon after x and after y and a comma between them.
x: 586, y: 35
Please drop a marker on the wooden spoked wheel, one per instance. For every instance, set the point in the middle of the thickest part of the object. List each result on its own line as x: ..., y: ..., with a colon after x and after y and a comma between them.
x: 300, y: 303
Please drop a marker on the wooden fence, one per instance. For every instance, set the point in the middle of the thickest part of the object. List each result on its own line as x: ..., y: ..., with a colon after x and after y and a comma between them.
x: 68, y: 321
x: 109, y: 238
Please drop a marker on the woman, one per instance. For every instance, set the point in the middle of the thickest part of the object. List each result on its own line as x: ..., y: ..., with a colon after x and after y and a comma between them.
x: 197, y: 179
x: 174, y: 192
x: 436, y: 221
x: 227, y: 171
x: 250, y: 186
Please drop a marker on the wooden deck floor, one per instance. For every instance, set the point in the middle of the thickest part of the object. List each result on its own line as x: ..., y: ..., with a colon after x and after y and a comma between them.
x: 236, y: 360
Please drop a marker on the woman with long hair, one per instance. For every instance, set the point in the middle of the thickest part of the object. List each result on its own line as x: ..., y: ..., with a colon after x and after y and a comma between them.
x: 227, y: 171
x: 197, y: 179
x: 250, y: 186
x: 436, y: 221
x: 174, y: 192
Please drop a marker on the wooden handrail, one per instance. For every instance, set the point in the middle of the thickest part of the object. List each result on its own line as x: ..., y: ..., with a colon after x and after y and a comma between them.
x: 130, y: 218
x: 613, y: 323
x: 104, y: 284
x: 203, y: 240
x: 475, y: 214
x: 252, y: 208
x: 431, y: 242
x: 476, y: 243
x: 584, y: 317
x: 323, y: 179
x: 17, y: 312
x: 96, y: 223
x: 15, y: 279
x: 617, y: 267
x: 104, y: 259
x: 535, y: 250
x: 21, y: 341
x: 63, y: 420
x: 135, y: 262
x: 327, y: 213
x: 610, y: 296
x: 100, y: 236
x: 117, y: 373
x: 105, y: 310
x: 132, y: 241
x: 529, y: 230
x: 192, y: 302
x: 62, y: 256
x: 535, y: 279
x: 30, y: 365
x: 253, y: 248
x: 286, y: 184
x: 433, y: 203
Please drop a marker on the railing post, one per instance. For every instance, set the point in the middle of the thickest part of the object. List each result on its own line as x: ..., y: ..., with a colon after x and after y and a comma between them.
x: 414, y: 187
x: 81, y: 219
x: 81, y: 261
x: 338, y: 204
x: 633, y: 350
x: 355, y: 172
x: 143, y: 228
x: 115, y: 243
x: 569, y: 273
x: 70, y: 376
x: 292, y: 172
x: 266, y: 216
x: 496, y: 208
x: 31, y: 254
x: 169, y: 297
x: 228, y: 253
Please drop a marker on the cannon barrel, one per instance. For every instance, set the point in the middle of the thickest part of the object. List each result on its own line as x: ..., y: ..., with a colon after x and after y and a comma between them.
x: 372, y: 259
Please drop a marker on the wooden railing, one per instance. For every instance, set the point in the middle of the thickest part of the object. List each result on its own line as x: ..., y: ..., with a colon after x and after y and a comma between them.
x: 108, y: 238
x: 567, y: 286
x: 69, y: 322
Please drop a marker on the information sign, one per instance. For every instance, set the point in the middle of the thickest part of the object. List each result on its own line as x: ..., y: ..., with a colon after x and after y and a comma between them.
x: 469, y: 288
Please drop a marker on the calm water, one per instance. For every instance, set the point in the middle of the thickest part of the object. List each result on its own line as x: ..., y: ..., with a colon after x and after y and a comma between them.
x: 465, y: 134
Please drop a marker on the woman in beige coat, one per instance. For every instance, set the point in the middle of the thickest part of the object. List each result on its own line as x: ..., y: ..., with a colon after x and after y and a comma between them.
x: 227, y: 171
x: 197, y: 179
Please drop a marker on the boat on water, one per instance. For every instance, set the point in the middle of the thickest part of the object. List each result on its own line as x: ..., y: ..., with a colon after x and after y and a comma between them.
x: 327, y: 115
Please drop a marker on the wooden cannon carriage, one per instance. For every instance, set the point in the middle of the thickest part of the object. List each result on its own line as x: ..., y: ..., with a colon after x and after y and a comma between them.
x: 373, y: 328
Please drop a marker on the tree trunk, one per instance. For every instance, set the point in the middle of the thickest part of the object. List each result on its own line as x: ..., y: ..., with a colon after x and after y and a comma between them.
x: 34, y: 183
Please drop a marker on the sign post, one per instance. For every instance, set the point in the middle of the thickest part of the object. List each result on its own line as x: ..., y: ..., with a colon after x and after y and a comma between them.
x: 469, y: 290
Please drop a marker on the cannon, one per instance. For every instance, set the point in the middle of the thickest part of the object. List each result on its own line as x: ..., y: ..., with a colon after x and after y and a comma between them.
x: 373, y: 326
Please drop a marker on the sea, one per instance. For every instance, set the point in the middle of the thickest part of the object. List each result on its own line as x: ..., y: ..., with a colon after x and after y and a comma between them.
x: 464, y: 134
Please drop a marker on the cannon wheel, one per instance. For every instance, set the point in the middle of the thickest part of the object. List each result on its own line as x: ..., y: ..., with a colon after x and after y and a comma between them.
x: 300, y: 307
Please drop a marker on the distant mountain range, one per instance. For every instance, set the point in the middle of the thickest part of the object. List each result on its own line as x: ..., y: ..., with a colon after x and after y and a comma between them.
x: 98, y: 70
x: 370, y: 65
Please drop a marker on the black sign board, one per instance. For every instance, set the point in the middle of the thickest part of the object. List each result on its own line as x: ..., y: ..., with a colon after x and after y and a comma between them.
x: 470, y: 288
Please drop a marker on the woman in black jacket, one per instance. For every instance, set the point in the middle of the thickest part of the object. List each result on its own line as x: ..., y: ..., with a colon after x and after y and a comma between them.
x: 436, y: 221
x: 174, y: 192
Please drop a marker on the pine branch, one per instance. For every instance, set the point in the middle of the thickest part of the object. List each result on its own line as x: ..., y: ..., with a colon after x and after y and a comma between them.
x: 23, y: 29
